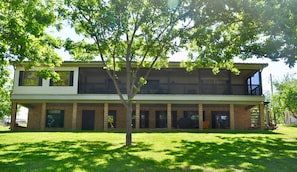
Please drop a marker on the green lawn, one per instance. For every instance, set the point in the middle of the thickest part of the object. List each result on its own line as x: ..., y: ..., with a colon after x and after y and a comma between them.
x: 160, y: 151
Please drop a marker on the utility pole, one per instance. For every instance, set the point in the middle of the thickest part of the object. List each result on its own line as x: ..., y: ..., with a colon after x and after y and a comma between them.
x: 271, y: 89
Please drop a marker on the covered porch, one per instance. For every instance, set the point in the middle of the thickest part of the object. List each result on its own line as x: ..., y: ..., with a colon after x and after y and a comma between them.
x: 149, y: 112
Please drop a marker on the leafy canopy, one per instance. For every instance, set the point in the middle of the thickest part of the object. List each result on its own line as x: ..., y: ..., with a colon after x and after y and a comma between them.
x: 23, y: 34
x: 23, y: 37
x: 284, y: 100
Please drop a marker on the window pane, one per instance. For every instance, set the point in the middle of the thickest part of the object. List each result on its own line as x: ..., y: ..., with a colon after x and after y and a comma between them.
x: 66, y: 79
x: 29, y: 78
x: 55, y: 118
x: 190, y: 120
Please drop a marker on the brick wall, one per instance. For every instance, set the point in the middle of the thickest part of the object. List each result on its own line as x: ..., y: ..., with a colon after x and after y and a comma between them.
x: 34, y: 114
x: 242, y: 115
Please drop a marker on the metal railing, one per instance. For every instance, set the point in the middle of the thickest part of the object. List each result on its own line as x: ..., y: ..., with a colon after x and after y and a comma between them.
x: 176, y: 88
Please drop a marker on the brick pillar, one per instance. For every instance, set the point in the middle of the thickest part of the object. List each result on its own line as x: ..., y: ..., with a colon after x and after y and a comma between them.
x: 232, y: 122
x: 261, y: 113
x: 200, y: 114
x: 169, y: 118
x: 105, y: 117
x: 74, y: 115
x: 43, y: 114
x: 137, y: 116
x: 14, y: 108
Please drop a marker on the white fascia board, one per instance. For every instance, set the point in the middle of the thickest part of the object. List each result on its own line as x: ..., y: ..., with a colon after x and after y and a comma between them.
x: 143, y: 98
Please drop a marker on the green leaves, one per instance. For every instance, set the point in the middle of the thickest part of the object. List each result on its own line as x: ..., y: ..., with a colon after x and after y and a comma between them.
x: 23, y: 37
x: 48, y: 73
x: 284, y: 100
x: 225, y: 29
x: 5, y: 89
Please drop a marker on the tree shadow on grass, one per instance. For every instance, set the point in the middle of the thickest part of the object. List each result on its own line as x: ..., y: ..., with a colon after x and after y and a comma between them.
x: 228, y: 153
x: 80, y: 155
x: 238, y: 154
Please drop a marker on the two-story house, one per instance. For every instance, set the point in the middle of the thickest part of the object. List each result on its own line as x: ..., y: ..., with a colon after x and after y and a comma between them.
x: 85, y: 99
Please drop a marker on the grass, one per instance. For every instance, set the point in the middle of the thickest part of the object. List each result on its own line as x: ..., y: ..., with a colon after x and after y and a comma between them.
x: 158, y: 151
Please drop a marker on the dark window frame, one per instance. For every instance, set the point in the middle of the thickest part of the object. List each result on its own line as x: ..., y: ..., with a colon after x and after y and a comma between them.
x: 71, y: 75
x: 55, y: 119
x: 143, y: 123
x: 254, y: 84
x: 22, y: 75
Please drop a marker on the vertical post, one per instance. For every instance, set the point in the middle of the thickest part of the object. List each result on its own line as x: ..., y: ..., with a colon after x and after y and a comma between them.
x: 43, y: 114
x: 261, y: 113
x: 269, y: 123
x: 199, y: 82
x: 105, y: 117
x: 74, y: 115
x: 200, y: 114
x: 232, y: 118
x: 169, y: 118
x: 14, y: 107
x: 137, y: 116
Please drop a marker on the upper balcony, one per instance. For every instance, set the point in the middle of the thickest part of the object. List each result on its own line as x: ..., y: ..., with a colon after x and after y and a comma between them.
x: 176, y: 81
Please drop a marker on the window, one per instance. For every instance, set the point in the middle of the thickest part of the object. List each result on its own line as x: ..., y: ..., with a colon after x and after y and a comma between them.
x: 29, y: 78
x: 254, y: 84
x: 191, y: 119
x: 143, y: 121
x: 55, y: 118
x: 66, y: 79
x: 220, y: 120
x: 161, y: 119
x: 111, y: 118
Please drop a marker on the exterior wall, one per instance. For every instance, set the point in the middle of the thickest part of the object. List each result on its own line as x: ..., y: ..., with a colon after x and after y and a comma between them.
x: 290, y: 119
x: 242, y: 117
x: 34, y: 116
x: 46, y: 88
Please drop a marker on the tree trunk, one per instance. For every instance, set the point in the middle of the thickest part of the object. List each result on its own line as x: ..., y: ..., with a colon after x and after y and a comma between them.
x: 129, y: 124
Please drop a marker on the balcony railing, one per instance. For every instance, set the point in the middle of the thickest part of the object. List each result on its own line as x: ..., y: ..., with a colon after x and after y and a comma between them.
x: 176, y: 88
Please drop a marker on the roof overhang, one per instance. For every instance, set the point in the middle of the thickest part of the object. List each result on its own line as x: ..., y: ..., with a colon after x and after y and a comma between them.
x: 256, y: 66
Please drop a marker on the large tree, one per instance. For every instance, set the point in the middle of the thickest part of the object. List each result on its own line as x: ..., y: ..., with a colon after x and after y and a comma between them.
x: 131, y: 34
x: 23, y: 37
x: 244, y: 28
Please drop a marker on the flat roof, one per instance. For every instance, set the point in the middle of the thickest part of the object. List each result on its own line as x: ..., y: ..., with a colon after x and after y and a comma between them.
x: 174, y: 64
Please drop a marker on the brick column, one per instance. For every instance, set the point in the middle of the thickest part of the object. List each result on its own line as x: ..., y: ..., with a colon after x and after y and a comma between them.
x: 200, y: 114
x: 261, y: 113
x: 14, y: 107
x: 105, y: 117
x: 43, y: 114
x: 137, y: 116
x: 169, y: 118
x: 232, y: 122
x: 74, y: 115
